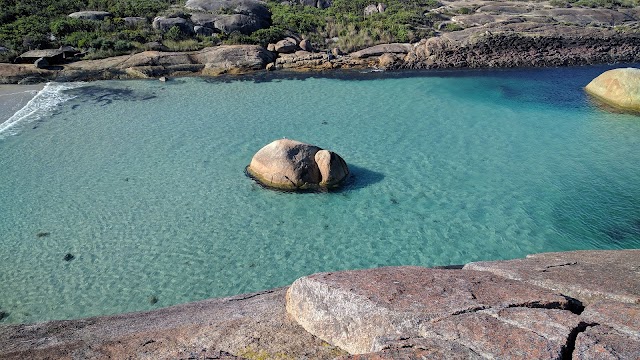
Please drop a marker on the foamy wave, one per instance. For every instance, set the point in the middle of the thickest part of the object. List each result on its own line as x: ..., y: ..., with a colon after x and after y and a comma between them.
x: 42, y: 105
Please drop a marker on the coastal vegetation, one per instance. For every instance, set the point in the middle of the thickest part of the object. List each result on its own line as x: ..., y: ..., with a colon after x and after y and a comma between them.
x: 346, y: 24
x: 40, y: 24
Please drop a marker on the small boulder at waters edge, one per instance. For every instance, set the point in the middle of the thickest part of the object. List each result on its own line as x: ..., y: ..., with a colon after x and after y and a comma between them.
x: 292, y: 165
x: 618, y: 87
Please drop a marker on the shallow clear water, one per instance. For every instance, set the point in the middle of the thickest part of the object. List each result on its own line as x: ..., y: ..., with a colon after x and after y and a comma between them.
x: 142, y: 182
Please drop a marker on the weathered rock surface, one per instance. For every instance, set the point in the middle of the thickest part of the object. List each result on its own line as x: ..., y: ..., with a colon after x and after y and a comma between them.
x: 164, y: 24
x: 292, y: 165
x: 618, y: 87
x: 16, y: 73
x: 320, y: 4
x: 250, y: 325
x: 245, y: 24
x: 588, y: 276
x: 305, y: 45
x: 286, y: 46
x: 244, y: 16
x: 303, y: 60
x: 378, y: 50
x: 623, y: 317
x: 232, y: 59
x: 91, y: 15
x: 352, y: 309
x: 604, y: 342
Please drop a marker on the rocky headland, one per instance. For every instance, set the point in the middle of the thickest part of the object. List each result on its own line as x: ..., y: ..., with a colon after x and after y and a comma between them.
x: 567, y: 305
x: 491, y: 34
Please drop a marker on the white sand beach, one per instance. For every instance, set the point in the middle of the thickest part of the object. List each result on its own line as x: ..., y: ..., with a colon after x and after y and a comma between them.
x: 15, y: 97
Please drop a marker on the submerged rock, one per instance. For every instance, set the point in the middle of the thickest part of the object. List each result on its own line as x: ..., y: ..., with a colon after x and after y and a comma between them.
x: 292, y: 165
x: 69, y: 257
x: 618, y: 87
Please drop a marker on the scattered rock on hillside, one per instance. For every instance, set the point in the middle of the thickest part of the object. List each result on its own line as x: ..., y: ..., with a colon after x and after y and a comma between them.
x: 374, y: 9
x: 201, y: 30
x: 377, y: 50
x: 91, y: 15
x: 292, y: 165
x: 320, y: 4
x: 305, y: 45
x: 618, y: 87
x: 245, y: 16
x: 355, y: 309
x: 613, y: 275
x: 370, y: 9
x: 164, y: 24
x: 286, y: 46
x: 245, y: 24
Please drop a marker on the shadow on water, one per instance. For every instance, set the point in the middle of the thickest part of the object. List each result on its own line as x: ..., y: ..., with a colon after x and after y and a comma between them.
x: 603, y: 217
x: 573, y: 73
x: 103, y: 96
x: 358, y: 178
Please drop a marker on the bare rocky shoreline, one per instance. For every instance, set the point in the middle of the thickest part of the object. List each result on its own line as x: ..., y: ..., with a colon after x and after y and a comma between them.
x: 566, y: 305
x: 495, y: 34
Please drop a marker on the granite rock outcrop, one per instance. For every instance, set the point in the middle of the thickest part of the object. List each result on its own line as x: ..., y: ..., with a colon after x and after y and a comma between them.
x: 619, y: 88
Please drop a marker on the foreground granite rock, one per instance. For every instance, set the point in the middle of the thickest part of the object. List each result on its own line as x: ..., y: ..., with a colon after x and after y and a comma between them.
x: 292, y: 165
x: 619, y: 88
x: 482, y: 312
x: 588, y: 276
x: 247, y: 326
x: 396, y: 312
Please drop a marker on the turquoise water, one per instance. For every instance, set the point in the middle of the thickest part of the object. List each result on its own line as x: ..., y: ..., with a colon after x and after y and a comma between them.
x: 142, y: 182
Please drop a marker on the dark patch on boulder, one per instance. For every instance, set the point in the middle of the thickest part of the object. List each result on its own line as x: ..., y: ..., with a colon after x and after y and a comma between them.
x: 41, y: 63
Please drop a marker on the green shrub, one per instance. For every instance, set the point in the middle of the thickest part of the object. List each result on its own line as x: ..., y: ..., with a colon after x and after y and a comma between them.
x: 174, y: 34
x: 453, y: 27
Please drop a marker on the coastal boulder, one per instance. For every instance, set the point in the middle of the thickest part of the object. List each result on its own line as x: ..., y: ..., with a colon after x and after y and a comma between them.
x: 286, y: 46
x: 618, y: 87
x: 292, y: 165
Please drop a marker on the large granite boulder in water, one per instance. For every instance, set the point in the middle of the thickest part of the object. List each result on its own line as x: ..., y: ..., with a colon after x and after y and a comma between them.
x: 292, y: 165
x: 618, y: 87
